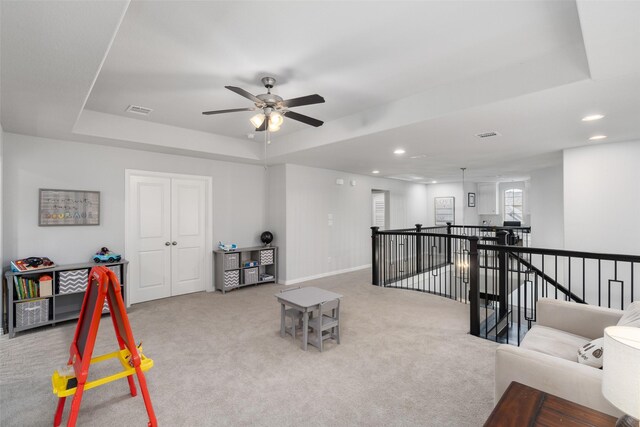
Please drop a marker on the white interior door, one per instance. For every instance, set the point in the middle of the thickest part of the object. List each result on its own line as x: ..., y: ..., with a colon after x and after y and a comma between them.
x: 149, y: 239
x: 188, y: 209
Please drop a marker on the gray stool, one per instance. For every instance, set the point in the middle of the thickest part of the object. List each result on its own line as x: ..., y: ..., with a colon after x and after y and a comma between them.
x: 294, y: 314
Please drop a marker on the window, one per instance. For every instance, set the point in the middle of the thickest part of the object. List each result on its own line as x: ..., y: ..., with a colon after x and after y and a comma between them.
x: 513, y: 204
x: 379, y: 216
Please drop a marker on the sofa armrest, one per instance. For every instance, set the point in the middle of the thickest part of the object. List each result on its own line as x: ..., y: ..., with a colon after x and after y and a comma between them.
x: 569, y: 380
x: 585, y: 320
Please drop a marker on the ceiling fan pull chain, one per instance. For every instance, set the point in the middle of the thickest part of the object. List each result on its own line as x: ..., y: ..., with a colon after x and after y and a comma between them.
x: 266, y: 136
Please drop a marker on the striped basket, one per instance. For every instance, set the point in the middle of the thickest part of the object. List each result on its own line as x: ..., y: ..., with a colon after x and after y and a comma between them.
x: 266, y: 257
x: 231, y: 279
x: 116, y: 270
x: 72, y: 281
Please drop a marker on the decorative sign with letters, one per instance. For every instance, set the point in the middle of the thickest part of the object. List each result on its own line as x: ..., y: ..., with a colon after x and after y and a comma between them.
x: 69, y: 207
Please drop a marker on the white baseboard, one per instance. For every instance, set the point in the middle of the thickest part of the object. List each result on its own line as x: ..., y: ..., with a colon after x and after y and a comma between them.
x: 330, y: 273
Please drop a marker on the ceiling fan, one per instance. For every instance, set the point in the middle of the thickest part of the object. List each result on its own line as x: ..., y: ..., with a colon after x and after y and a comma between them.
x: 273, y: 108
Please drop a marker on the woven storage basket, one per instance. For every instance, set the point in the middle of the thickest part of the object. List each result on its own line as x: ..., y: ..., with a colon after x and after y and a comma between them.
x: 231, y: 261
x: 30, y: 313
x: 251, y: 275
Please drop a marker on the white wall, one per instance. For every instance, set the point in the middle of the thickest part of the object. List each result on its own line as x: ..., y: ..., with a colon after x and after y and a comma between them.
x: 313, y: 247
x: 31, y: 163
x: 602, y: 199
x: 1, y: 218
x: 546, y: 201
x: 277, y: 213
x: 445, y: 190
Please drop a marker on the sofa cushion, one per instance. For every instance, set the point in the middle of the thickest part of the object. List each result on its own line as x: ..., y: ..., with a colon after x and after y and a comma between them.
x: 631, y: 315
x: 590, y: 354
x: 553, y: 342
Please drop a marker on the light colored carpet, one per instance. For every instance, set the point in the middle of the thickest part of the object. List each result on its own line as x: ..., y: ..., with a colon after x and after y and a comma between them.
x: 405, y: 358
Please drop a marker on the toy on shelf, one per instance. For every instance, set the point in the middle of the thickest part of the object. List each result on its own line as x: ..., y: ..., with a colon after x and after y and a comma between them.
x: 105, y: 255
x: 227, y: 246
x: 31, y: 263
x: 266, y: 238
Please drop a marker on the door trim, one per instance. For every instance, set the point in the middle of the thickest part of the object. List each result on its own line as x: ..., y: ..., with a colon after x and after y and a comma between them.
x: 208, y: 250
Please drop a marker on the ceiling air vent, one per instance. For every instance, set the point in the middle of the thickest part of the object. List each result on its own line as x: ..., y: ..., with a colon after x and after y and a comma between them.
x: 487, y: 134
x: 139, y: 110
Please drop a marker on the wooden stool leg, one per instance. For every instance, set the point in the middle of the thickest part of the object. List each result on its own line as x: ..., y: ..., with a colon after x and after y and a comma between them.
x: 75, y: 406
x: 147, y: 399
x: 132, y: 386
x: 58, y: 417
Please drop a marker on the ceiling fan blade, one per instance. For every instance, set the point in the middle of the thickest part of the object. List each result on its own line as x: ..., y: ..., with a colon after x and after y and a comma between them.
x: 303, y: 100
x: 233, y: 110
x: 244, y: 93
x: 304, y: 119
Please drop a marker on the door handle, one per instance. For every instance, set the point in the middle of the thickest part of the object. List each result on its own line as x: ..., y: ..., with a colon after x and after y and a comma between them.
x: 167, y: 243
x: 174, y: 243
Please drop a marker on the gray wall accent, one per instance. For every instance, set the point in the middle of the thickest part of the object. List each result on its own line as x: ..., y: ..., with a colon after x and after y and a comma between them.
x: 601, y: 198
x: 1, y: 216
x: 277, y: 214
x: 32, y: 163
x: 546, y: 196
x: 317, y: 245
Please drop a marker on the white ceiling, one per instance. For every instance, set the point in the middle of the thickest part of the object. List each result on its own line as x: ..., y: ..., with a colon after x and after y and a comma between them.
x: 422, y: 75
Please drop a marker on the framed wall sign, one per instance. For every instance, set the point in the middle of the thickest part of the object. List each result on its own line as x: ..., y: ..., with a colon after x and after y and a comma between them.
x: 445, y: 210
x: 69, y: 207
x: 471, y: 200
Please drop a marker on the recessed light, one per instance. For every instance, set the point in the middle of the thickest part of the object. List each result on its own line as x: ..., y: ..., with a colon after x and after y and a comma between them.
x: 399, y: 151
x: 592, y: 117
x: 434, y: 182
x: 597, y: 137
x: 375, y: 171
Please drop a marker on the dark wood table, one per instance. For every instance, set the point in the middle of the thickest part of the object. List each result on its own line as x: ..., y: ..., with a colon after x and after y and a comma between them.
x: 522, y: 405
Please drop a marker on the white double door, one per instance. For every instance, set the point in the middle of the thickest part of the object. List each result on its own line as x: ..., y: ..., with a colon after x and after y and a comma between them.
x: 166, y: 238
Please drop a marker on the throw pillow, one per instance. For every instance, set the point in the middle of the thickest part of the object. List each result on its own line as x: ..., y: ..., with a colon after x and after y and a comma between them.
x: 631, y: 316
x: 590, y: 354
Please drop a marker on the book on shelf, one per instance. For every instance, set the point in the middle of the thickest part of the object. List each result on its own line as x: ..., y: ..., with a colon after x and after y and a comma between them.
x: 28, y: 288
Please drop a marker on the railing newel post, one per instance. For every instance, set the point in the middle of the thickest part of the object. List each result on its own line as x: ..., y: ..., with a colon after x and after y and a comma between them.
x: 474, y: 287
x: 375, y: 257
x: 418, y: 249
x: 448, y: 243
x: 502, y: 274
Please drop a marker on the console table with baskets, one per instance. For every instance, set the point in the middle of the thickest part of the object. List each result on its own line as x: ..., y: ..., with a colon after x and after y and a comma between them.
x: 245, y: 266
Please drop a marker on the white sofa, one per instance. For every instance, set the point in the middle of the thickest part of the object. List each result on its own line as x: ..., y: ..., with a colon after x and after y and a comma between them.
x: 547, y: 358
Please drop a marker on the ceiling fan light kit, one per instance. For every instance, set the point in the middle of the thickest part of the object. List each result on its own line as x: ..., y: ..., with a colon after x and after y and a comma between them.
x: 272, y: 108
